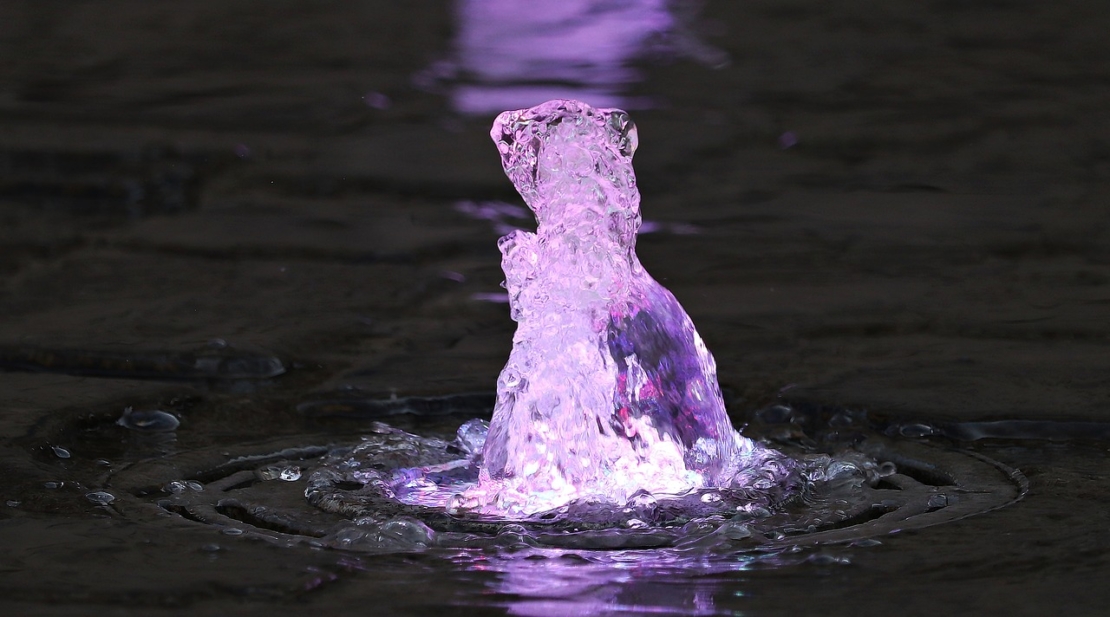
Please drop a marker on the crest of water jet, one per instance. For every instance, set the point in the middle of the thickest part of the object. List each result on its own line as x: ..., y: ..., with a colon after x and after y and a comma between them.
x: 609, y: 391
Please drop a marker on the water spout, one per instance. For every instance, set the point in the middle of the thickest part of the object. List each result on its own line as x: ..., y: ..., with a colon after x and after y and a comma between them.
x: 609, y: 391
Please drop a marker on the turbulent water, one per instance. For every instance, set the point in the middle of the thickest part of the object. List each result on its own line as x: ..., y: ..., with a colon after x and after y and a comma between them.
x: 609, y: 392
x: 397, y: 480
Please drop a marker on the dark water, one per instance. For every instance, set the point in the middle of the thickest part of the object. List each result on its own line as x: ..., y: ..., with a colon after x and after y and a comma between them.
x: 248, y: 216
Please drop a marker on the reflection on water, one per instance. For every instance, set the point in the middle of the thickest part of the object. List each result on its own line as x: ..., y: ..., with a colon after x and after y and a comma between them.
x: 565, y: 583
x: 511, y: 55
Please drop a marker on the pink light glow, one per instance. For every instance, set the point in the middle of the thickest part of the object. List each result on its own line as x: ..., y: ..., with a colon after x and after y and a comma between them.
x: 609, y: 390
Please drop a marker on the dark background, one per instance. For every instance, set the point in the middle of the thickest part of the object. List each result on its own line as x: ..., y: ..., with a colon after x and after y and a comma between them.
x: 898, y: 206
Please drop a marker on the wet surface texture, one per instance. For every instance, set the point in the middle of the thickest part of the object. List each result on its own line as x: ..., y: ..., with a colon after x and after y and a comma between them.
x: 226, y: 227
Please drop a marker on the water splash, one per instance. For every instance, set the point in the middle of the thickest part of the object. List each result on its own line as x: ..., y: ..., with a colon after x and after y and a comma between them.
x: 609, y: 391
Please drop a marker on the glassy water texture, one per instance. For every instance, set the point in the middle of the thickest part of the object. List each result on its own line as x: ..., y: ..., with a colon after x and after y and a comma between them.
x: 608, y: 390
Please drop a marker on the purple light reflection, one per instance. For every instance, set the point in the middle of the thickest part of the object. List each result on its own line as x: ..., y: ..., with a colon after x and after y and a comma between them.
x: 543, y: 582
x: 609, y: 393
x: 510, y: 54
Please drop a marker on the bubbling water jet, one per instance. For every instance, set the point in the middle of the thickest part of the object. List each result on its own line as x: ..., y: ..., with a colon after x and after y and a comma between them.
x: 609, y: 391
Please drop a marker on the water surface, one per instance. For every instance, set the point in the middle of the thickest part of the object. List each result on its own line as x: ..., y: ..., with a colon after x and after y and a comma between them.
x: 895, y: 209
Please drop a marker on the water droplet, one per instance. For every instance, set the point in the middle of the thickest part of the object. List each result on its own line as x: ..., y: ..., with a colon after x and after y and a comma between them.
x: 100, y: 498
x: 231, y: 531
x: 471, y: 436
x: 60, y: 452
x: 153, y: 421
x: 194, y: 485
x: 288, y: 473
x: 710, y: 497
x: 14, y: 503
x: 53, y: 485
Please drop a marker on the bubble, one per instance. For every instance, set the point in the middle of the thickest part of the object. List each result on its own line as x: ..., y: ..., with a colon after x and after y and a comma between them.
x: 175, y: 487
x: 100, y: 498
x: 349, y: 535
x: 735, y: 531
x: 60, y: 452
x: 915, y: 430
x: 776, y: 414
x: 408, y: 532
x: 154, y: 421
x: 471, y: 436
x: 643, y: 500
x: 937, y: 502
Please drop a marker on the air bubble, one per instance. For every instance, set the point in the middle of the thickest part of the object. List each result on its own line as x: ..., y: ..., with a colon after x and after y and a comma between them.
x: 915, y: 430
x: 174, y: 488
x: 776, y: 414
x: 734, y: 531
x: 60, y: 452
x: 100, y: 498
x: 937, y: 502
x: 152, y: 421
x: 711, y: 497
x: 471, y: 436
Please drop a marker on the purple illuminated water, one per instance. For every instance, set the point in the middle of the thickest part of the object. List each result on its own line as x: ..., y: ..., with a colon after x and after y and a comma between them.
x: 609, y: 391
x: 508, y: 53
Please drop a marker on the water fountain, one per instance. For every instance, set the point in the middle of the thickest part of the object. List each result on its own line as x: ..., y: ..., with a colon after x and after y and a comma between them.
x: 608, y: 428
x: 609, y: 389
